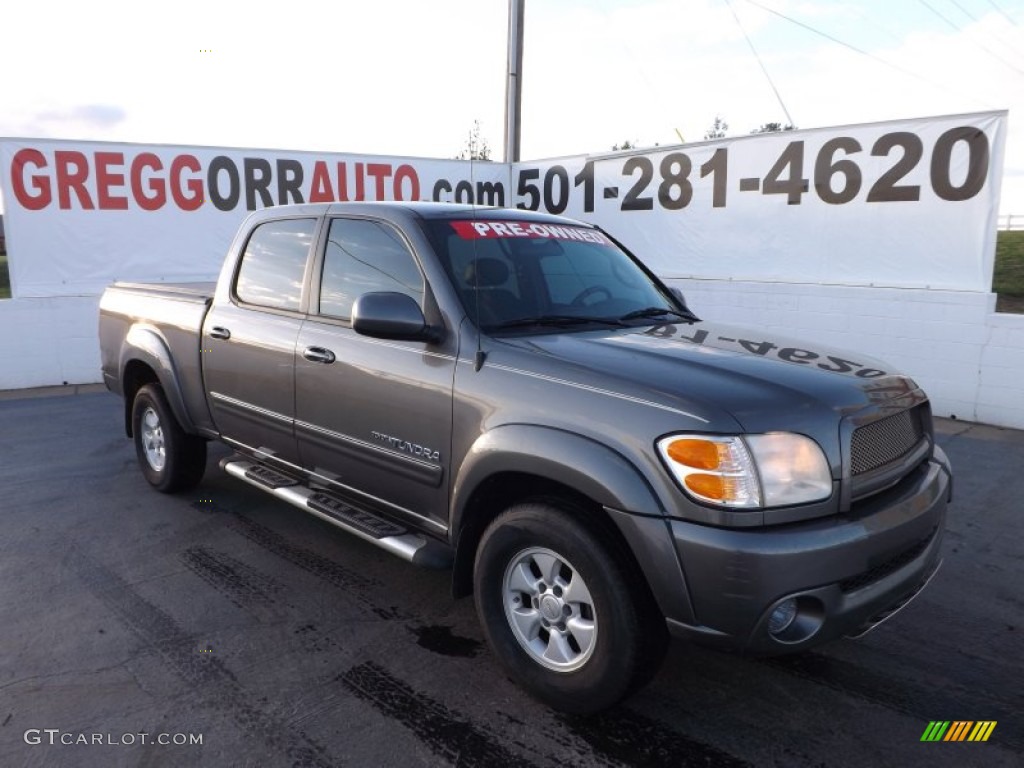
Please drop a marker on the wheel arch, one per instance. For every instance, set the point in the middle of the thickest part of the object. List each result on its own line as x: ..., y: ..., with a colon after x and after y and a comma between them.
x: 146, y: 359
x: 518, y: 463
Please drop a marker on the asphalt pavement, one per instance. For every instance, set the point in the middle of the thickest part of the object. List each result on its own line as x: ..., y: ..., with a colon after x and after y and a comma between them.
x: 242, y: 632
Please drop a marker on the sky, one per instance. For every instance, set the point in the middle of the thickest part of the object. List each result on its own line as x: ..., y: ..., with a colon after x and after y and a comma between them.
x: 410, y: 77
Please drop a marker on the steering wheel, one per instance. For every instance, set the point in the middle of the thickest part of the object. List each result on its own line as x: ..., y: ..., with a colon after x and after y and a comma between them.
x: 590, y: 291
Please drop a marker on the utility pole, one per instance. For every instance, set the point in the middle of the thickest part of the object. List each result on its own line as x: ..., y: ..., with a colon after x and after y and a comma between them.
x: 514, y: 81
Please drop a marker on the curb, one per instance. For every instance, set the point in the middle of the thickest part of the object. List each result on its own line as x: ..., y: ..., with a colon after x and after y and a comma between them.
x: 58, y: 391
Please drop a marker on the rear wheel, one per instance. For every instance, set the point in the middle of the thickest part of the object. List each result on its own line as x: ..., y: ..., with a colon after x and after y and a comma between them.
x: 562, y: 611
x: 170, y: 459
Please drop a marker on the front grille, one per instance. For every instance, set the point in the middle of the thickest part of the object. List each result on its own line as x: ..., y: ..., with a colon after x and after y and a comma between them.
x: 884, y: 441
x: 891, y: 565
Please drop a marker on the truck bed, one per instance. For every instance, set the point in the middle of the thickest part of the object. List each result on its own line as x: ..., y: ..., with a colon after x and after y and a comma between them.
x: 202, y: 291
x: 166, y: 318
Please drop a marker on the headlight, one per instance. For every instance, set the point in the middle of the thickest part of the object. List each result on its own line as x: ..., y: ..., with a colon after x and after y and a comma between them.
x: 793, y: 469
x: 751, y: 472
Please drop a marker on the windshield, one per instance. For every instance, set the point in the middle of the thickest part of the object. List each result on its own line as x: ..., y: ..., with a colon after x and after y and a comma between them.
x: 525, y: 276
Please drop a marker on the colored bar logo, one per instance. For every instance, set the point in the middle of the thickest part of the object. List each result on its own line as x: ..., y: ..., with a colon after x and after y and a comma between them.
x: 958, y: 730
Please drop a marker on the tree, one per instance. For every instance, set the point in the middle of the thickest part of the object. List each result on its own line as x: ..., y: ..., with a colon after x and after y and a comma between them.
x: 774, y: 128
x: 476, y: 146
x: 717, y: 129
x: 627, y: 144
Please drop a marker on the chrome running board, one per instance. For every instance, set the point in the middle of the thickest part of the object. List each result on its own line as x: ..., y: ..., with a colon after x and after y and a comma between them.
x: 387, y: 535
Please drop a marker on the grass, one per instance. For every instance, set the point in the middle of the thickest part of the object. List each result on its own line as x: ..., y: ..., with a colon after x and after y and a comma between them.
x: 5, y: 278
x: 1008, y: 277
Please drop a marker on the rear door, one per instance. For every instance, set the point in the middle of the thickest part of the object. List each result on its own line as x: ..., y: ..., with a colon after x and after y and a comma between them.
x: 249, y: 341
x: 373, y: 417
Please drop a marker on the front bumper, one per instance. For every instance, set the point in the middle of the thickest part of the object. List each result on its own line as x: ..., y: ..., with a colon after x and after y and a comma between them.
x: 846, y: 572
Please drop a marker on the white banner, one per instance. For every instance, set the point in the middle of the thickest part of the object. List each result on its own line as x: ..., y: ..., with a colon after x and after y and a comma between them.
x: 907, y: 203
x: 80, y: 215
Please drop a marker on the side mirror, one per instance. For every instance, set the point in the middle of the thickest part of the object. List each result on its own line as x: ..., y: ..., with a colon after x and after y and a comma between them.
x: 388, y: 315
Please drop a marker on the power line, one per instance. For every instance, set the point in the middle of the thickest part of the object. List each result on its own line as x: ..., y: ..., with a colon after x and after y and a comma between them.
x: 984, y: 47
x: 1000, y: 10
x: 975, y: 19
x: 893, y: 36
x: 855, y: 49
x: 942, y: 16
x: 1003, y: 32
x: 964, y: 11
x: 827, y: 36
x: 621, y: 39
x: 764, y: 69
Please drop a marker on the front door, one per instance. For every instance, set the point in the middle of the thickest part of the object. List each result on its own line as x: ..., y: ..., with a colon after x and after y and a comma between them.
x: 373, y: 417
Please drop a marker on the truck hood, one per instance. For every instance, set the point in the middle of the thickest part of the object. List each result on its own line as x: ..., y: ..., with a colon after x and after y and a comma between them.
x: 762, y: 380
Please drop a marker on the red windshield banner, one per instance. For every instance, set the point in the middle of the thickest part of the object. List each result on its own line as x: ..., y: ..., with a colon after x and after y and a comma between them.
x: 482, y: 230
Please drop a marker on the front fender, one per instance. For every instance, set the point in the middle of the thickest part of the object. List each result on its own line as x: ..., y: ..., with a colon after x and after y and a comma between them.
x: 146, y: 345
x: 590, y: 468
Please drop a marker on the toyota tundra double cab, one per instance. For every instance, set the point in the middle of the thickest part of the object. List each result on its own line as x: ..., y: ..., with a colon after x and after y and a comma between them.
x: 515, y: 396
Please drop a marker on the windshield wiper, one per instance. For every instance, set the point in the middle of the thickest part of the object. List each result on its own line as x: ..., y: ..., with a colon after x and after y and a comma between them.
x: 557, y: 321
x: 687, y: 315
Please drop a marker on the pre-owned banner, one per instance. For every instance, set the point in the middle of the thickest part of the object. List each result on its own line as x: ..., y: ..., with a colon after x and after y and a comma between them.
x: 909, y: 203
x: 80, y: 215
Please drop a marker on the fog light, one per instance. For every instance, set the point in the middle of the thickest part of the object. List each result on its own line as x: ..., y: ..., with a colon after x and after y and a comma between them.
x: 782, y: 617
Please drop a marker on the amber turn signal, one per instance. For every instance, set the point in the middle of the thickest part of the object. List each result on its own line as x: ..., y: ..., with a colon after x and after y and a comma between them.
x: 696, y: 453
x: 709, y: 486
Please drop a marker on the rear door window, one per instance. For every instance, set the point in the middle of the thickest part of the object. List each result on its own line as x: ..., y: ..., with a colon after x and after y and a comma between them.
x: 274, y: 263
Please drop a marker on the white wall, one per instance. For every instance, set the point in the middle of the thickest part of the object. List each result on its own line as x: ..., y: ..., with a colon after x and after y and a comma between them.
x: 969, y: 359
x: 1001, y: 373
x: 45, y: 342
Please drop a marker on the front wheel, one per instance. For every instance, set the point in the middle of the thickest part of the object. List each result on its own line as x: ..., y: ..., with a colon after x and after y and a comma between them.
x: 170, y: 459
x: 562, y: 611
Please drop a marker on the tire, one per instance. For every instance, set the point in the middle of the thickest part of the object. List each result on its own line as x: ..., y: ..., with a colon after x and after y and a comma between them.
x: 562, y: 610
x: 170, y: 459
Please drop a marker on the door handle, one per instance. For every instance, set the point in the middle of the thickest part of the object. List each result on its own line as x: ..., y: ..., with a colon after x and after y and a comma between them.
x: 218, y: 332
x: 318, y: 355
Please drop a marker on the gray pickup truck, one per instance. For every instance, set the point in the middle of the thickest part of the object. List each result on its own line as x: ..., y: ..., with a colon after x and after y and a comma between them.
x: 515, y: 396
